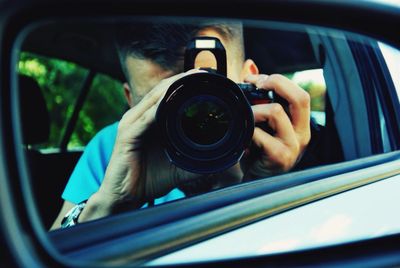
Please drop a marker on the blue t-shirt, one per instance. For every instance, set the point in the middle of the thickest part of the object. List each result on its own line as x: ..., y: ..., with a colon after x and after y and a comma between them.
x: 89, y: 172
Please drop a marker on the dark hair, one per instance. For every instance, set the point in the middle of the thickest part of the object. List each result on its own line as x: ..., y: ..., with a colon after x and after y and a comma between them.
x: 164, y: 43
x: 161, y: 43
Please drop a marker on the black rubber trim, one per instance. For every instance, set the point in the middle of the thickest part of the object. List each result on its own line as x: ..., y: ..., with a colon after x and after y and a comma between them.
x: 370, y: 84
x: 387, y: 96
x: 378, y: 86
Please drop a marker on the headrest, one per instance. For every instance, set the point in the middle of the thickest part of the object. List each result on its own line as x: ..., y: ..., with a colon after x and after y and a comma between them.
x: 34, y: 113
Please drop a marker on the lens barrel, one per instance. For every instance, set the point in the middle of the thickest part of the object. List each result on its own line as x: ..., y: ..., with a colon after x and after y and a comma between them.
x: 206, y: 123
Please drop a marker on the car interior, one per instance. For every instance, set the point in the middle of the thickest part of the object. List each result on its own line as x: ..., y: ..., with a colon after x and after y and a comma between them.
x: 275, y: 49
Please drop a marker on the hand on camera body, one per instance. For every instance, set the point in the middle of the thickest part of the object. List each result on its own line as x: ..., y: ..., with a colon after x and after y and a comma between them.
x: 279, y: 151
x: 139, y: 170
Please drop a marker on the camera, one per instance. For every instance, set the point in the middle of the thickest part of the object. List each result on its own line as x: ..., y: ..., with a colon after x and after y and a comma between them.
x: 205, y: 119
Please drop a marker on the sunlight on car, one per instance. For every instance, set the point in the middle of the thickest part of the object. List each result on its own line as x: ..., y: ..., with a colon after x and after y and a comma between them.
x: 335, y: 227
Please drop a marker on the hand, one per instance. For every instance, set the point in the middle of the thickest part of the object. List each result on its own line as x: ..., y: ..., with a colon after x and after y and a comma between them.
x: 280, y: 151
x: 129, y: 177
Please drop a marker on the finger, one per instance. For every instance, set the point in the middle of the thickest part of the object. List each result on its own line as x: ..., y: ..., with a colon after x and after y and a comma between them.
x: 143, y: 123
x: 256, y: 78
x: 149, y: 100
x: 130, y: 135
x: 298, y: 98
x: 277, y: 119
x: 275, y: 151
x: 153, y: 97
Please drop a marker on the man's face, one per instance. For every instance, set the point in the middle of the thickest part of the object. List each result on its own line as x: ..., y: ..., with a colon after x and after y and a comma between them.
x: 145, y: 75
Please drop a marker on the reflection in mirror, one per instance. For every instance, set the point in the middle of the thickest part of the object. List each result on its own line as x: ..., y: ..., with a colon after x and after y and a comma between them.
x: 135, y: 113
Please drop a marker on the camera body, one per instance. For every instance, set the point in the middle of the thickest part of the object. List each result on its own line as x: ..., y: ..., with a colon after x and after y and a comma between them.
x: 205, y: 119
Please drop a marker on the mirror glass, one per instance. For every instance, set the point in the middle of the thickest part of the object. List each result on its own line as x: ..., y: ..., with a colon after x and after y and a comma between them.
x: 126, y: 114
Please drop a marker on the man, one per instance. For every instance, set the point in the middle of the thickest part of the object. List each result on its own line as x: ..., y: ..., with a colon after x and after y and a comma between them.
x: 131, y: 169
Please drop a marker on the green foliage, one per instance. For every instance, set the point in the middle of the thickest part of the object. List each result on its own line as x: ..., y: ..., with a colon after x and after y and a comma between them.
x: 317, y: 91
x: 61, y: 83
x: 104, y: 105
x: 317, y: 94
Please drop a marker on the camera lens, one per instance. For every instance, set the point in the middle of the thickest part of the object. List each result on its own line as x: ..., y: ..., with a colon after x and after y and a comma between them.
x: 205, y: 123
x: 205, y: 119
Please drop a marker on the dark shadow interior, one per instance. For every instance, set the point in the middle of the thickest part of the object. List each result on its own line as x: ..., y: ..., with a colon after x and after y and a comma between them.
x: 49, y: 171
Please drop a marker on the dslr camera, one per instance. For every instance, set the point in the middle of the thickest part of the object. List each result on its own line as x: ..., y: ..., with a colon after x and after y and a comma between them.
x: 205, y: 119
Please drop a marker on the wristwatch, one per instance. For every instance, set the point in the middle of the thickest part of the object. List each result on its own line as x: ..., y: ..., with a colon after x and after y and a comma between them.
x: 71, y: 218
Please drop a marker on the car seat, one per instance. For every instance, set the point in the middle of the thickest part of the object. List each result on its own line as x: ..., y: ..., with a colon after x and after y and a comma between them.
x: 49, y: 171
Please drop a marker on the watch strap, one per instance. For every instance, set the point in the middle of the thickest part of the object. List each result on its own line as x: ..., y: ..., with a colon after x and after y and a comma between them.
x: 71, y: 218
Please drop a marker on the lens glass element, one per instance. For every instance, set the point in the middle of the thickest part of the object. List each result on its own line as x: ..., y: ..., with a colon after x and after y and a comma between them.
x: 205, y: 119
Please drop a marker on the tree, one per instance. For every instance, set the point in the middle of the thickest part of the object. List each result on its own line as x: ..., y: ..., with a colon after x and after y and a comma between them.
x: 60, y: 82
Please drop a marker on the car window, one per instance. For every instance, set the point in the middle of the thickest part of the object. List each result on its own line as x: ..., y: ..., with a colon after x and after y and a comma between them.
x: 105, y: 92
x: 61, y: 82
x: 294, y: 109
x: 52, y: 74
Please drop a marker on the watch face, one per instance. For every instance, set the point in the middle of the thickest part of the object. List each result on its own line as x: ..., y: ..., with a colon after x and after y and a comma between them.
x: 71, y: 218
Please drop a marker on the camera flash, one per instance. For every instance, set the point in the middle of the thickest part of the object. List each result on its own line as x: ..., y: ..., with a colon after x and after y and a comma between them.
x: 205, y: 44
